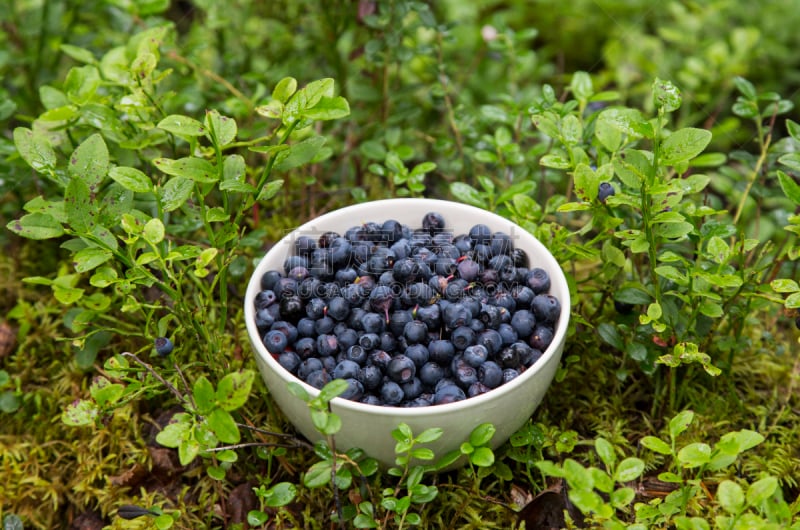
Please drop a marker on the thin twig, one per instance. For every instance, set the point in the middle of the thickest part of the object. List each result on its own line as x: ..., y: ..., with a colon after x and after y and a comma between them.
x: 155, y: 374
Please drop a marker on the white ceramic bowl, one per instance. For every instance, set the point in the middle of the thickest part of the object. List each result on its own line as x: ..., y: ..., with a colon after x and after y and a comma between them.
x: 369, y: 427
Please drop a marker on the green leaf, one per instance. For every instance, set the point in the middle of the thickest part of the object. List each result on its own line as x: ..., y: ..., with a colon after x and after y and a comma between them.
x: 611, y: 336
x: 221, y: 422
x: 181, y: 125
x: 280, y: 494
x: 285, y: 89
x: 89, y: 161
x: 790, y: 188
x: 81, y: 412
x: 745, y: 87
x: 761, y: 490
x: 79, y: 206
x: 223, y: 127
x: 680, y: 423
x: 89, y: 258
x: 581, y: 86
x: 203, y: 394
x: 656, y: 444
x: 587, y: 182
x: 579, y: 477
x: 154, y: 231
x: 174, y: 432
x: 605, y: 450
x: 730, y: 496
x: 332, y: 389
x: 175, y: 193
x: 629, y: 469
x: 234, y: 389
x: 270, y: 189
x: 36, y: 226
x: 131, y: 179
x: 694, y: 455
x: 430, y: 435
x: 550, y: 469
x: 81, y: 55
x: 328, y: 108
x: 666, y: 95
x: 35, y: 149
x: 482, y: 457
x: 467, y: 194
x: 196, y: 169
x: 318, y: 475
x: 300, y: 153
x: 622, y: 497
x: 188, y: 450
x: 628, y: 121
x: 683, y: 145
x: 481, y: 434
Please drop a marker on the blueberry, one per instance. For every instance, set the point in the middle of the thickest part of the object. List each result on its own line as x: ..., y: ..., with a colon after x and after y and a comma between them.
x: 468, y: 269
x: 338, y: 308
x: 401, y: 369
x: 431, y: 373
x: 418, y: 354
x: 508, y: 357
x: 391, y: 393
x: 285, y: 287
x: 462, y: 337
x: 354, y: 390
x: 299, y: 273
x: 346, y: 369
x: 624, y: 308
x: 324, y: 325
x: 463, y: 243
x: 456, y: 315
x: 304, y: 246
x: 481, y: 252
x: 523, y: 296
x: 163, y: 346
x: 604, y: 191
x: 269, y: 279
x: 501, y: 244
x: 327, y: 345
x: 546, y: 308
x: 509, y: 374
x: 318, y: 378
x: 507, y: 334
x: 345, y: 276
x: 275, y: 341
x: 464, y: 374
x: 523, y: 322
x: 415, y: 332
x: 441, y: 351
x: 305, y: 327
x: 491, y: 340
x: 476, y: 389
x: 292, y: 307
x: 379, y: 358
x: 369, y: 341
x: 480, y: 234
x: 398, y: 321
x: 265, y: 299
x: 289, y: 360
x: 433, y: 222
x: 346, y: 337
x: 371, y: 399
x: 411, y: 389
x: 448, y: 394
x: 538, y: 280
x: 405, y: 270
x: 490, y: 374
x: 356, y: 354
x: 520, y: 258
x: 541, y: 337
x: 420, y: 401
x: 264, y: 318
x: 293, y: 262
x: 371, y: 377
x: 490, y: 315
x: 373, y: 323
x: 306, y: 347
x: 476, y: 355
x: 388, y: 341
x: 431, y: 316
x: 312, y: 364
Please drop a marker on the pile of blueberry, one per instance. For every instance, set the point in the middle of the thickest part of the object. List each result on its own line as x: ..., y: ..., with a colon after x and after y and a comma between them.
x: 408, y: 317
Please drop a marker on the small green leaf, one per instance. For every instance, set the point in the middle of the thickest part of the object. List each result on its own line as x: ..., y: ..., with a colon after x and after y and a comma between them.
x: 790, y: 188
x: 581, y: 86
x: 216, y: 472
x: 666, y: 95
x: 80, y: 206
x: 550, y: 469
x: 188, y: 449
x: 328, y: 108
x: 183, y: 126
x: 81, y: 412
x: 81, y: 55
x: 318, y: 475
x: 745, y: 87
x: 285, y: 89
x: 761, y: 490
x: 89, y: 162
x: 683, y: 145
x: 270, y: 189
x: 629, y: 469
x: 280, y: 494
x: 622, y: 497
x: 730, y: 496
x: 89, y: 258
x: 256, y: 518
x: 680, y: 423
x: 694, y: 455
x: 482, y: 457
x: 36, y: 226
x: 234, y: 389
x: 131, y: 179
x: 154, y: 231
x: 221, y: 422
x: 605, y: 450
x: 203, y: 394
x: 175, y: 193
x: 467, y: 194
x: 481, y: 434
x: 300, y: 153
x: 430, y: 435
x: 35, y: 149
x: 196, y: 169
x: 223, y: 127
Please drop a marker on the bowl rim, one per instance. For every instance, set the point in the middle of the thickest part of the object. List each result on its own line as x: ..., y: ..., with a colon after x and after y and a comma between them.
x: 389, y: 205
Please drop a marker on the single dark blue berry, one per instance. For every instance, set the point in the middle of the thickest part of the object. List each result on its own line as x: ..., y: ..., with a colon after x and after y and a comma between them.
x: 293, y: 262
x: 306, y: 347
x: 305, y: 327
x: 415, y: 332
x: 448, y: 394
x: 476, y: 389
x: 508, y: 357
x: 538, y: 280
x: 431, y: 316
x: 324, y: 325
x: 354, y: 390
x: 462, y: 337
x: 490, y: 374
x: 346, y: 369
x: 369, y: 341
x: 455, y: 315
x: 480, y: 234
x: 163, y: 346
x: 327, y: 238
x: 265, y: 299
x: 287, y: 328
x: 468, y: 269
x: 374, y: 323
x: 371, y: 377
x: 304, y: 246
x: 604, y: 191
x: 372, y: 399
x: 275, y: 341
x: 441, y: 351
x: 491, y: 340
x: 318, y: 378
x: 433, y: 222
x: 327, y: 345
x: 501, y: 243
x: 289, y: 360
x: 523, y: 322
x: 391, y: 393
x: 431, y: 373
x: 546, y: 307
x: 269, y: 279
x: 418, y: 353
x: 292, y: 308
x: 475, y: 355
x: 357, y: 354
x: 507, y: 333
x: 412, y: 389
x: 464, y: 374
x: 379, y: 358
x: 401, y: 369
x: 312, y: 364
x: 510, y: 374
x: 541, y: 337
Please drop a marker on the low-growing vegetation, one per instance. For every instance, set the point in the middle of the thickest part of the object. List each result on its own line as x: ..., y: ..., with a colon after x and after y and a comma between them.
x: 153, y: 151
